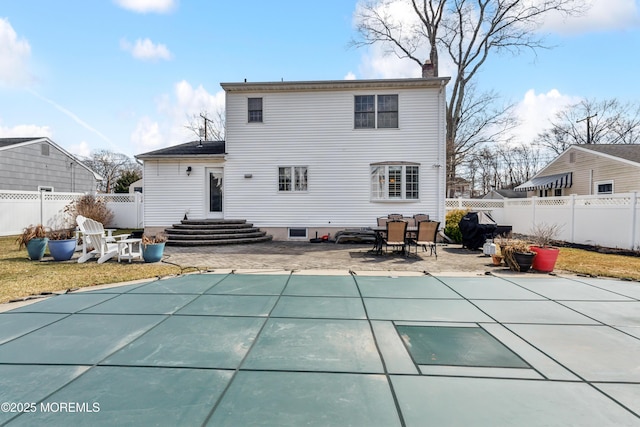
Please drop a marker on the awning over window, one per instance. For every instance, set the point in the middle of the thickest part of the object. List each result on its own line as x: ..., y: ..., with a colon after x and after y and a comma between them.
x: 561, y: 180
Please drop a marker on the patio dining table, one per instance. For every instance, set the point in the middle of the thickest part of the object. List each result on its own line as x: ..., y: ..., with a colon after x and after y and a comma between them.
x: 411, y: 232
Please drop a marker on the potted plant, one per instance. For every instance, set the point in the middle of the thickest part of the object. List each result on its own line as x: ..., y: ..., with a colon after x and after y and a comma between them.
x: 153, y: 247
x: 62, y: 244
x: 34, y: 238
x: 546, y: 255
x: 517, y: 255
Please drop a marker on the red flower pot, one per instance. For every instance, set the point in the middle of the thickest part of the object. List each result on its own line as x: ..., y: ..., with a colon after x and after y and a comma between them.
x: 545, y: 259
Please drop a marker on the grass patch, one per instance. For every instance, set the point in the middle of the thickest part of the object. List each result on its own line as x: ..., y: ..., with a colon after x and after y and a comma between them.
x: 597, y: 264
x: 21, y: 277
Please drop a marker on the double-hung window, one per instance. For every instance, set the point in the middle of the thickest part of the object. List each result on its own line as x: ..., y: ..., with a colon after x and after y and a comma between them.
x: 376, y: 111
x: 292, y: 178
x: 255, y: 110
x: 395, y: 181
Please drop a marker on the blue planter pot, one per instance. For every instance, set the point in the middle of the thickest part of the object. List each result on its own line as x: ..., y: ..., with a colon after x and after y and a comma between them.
x: 152, y: 252
x: 36, y: 248
x: 62, y: 250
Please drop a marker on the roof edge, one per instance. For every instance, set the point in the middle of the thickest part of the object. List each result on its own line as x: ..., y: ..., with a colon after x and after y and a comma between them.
x: 434, y: 82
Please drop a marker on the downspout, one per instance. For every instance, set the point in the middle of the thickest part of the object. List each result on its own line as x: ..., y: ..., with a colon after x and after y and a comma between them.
x: 441, y: 165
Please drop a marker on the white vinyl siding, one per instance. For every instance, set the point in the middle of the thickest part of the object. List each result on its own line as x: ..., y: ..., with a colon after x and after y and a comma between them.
x: 316, y: 129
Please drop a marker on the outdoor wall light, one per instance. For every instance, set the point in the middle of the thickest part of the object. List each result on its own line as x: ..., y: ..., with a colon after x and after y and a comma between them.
x: 188, y: 170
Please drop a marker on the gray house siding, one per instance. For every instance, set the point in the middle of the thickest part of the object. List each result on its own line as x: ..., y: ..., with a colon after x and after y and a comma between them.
x: 36, y: 165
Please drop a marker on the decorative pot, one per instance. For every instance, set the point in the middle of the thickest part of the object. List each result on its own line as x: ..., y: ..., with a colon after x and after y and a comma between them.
x: 497, y: 260
x: 546, y: 257
x: 36, y: 248
x: 152, y: 252
x: 62, y: 250
x: 523, y: 260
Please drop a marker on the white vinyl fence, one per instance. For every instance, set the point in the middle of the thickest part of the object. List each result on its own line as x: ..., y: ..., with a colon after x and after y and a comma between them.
x: 19, y: 209
x: 610, y: 220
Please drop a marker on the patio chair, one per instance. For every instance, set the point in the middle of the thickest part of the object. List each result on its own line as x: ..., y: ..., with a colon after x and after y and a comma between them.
x: 421, y: 217
x: 94, y: 238
x: 426, y: 236
x: 395, y: 216
x: 396, y: 235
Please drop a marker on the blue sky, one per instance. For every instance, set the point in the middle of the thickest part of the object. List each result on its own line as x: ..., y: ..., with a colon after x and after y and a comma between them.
x: 125, y: 75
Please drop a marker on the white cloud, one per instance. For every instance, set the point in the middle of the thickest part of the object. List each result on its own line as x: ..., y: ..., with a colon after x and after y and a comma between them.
x: 350, y: 76
x: 145, y: 6
x: 14, y: 56
x: 602, y: 15
x: 146, y: 50
x: 536, y: 110
x: 175, y: 111
x: 81, y: 149
x: 147, y: 135
x: 25, y: 131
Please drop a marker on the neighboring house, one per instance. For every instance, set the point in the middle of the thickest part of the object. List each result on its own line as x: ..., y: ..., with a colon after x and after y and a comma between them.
x: 33, y: 164
x: 461, y: 188
x: 504, y: 194
x: 588, y: 169
x: 135, y: 187
x: 307, y: 157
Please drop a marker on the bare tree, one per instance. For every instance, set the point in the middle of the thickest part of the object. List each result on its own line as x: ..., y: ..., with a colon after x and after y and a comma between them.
x: 595, y: 122
x: 465, y: 30
x: 504, y: 165
x: 110, y: 166
x: 206, y: 127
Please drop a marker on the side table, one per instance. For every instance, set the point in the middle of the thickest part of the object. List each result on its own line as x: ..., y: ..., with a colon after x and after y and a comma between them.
x: 129, y: 249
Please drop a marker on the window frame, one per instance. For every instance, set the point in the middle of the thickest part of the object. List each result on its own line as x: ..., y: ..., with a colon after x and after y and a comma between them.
x: 383, y: 189
x: 251, y: 109
x: 376, y: 111
x: 296, y: 181
x: 597, y: 184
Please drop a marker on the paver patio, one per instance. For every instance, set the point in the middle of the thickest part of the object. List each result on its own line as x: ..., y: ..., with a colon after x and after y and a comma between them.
x: 302, y: 348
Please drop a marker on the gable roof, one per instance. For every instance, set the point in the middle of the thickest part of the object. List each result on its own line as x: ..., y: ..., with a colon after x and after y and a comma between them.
x: 8, y: 143
x: 629, y: 152
x: 188, y: 149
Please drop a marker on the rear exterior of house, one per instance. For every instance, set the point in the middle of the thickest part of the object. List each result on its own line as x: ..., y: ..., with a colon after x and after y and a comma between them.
x: 590, y: 169
x: 33, y: 164
x: 311, y: 157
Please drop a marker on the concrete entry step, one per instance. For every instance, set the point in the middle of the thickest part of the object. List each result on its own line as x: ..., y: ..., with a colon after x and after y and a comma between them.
x: 205, y: 232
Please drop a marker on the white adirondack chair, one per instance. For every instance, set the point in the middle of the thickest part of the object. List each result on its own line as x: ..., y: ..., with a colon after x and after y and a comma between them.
x: 93, y: 236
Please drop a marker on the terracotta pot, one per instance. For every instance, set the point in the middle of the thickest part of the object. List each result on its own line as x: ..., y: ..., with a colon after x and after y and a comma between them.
x: 497, y: 259
x: 546, y: 257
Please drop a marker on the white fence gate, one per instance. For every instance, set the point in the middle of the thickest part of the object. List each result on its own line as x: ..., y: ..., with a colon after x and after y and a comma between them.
x: 610, y: 220
x: 19, y: 209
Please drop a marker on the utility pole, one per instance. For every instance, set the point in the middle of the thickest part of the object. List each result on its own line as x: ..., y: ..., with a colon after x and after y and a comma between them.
x: 205, y: 125
x: 588, y: 119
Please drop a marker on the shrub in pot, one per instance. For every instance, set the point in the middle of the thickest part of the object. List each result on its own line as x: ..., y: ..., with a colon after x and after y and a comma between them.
x: 62, y: 244
x: 153, y: 247
x: 546, y: 255
x: 34, y: 238
x: 517, y: 255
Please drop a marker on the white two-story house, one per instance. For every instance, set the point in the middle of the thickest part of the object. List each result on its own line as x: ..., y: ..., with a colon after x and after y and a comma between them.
x: 310, y: 157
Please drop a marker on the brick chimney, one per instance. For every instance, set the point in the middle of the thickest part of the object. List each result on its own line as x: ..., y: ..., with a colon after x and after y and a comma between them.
x: 427, y: 70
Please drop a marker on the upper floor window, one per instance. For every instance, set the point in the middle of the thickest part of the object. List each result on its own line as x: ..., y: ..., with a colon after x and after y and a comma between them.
x: 395, y: 181
x: 44, y: 149
x: 255, y: 109
x: 376, y: 111
x: 292, y: 178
